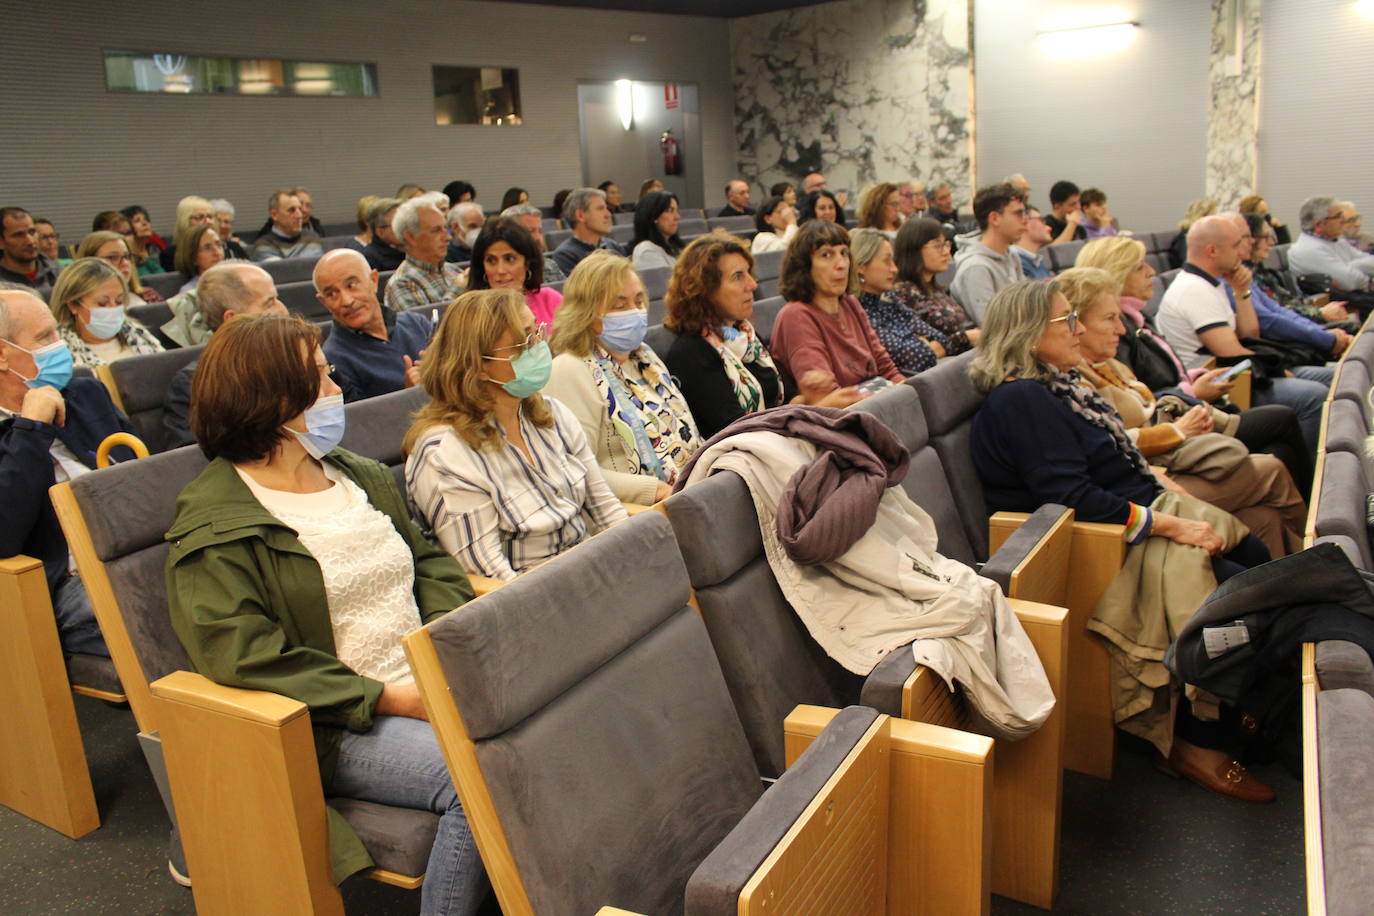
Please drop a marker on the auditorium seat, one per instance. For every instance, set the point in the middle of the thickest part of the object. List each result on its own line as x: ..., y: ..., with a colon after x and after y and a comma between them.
x: 623, y: 234
x: 765, y: 314
x: 336, y: 229
x: 600, y: 761
x: 548, y: 225
x: 553, y: 239
x: 168, y: 284
x: 138, y: 385
x: 767, y: 265
x: 299, y: 297
x: 330, y: 242
x: 691, y: 228
x: 1159, y: 242
x: 289, y: 270
x: 735, y: 225
x: 621, y: 218
x: 655, y: 281
x: 1061, y: 256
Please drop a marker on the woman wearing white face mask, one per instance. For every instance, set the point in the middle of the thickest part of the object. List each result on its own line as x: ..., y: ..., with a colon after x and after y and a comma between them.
x: 500, y: 475
x: 635, y: 418
x: 295, y: 568
x: 88, y: 302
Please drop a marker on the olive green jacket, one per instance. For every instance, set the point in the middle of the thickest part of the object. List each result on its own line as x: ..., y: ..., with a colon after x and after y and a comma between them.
x: 247, y: 601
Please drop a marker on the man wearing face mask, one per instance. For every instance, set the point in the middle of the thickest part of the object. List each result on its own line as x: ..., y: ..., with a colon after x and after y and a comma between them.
x: 423, y: 279
x: 374, y: 350
x: 50, y: 427
x: 464, y: 222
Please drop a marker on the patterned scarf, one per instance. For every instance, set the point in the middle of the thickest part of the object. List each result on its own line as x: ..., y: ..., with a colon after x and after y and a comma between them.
x: 647, y: 411
x: 748, y: 390
x: 1088, y: 404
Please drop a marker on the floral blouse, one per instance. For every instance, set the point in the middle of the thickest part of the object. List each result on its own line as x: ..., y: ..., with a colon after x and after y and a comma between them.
x: 903, y: 333
x: 939, y: 310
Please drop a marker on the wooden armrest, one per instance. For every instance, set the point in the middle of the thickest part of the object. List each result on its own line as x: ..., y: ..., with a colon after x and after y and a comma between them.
x: 1042, y: 574
x: 636, y: 508
x: 1311, y: 784
x: 199, y: 692
x: 17, y: 565
x: 482, y: 585
x: 1241, y: 393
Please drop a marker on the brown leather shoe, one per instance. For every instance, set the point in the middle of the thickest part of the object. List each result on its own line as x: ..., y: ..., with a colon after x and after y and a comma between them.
x: 1229, y: 779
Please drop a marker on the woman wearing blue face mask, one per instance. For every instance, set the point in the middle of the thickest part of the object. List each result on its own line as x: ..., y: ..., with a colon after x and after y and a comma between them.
x: 635, y: 418
x: 89, y: 302
x: 295, y: 568
x: 501, y: 476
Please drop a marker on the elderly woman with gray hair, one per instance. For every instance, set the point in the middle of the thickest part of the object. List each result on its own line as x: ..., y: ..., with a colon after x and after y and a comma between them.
x: 1042, y: 437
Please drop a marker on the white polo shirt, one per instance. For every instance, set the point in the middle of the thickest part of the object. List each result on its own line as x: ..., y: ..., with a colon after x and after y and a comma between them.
x: 1193, y: 303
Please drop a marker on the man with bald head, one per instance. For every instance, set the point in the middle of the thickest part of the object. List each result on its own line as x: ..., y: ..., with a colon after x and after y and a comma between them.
x: 1197, y: 317
x: 229, y: 290
x: 50, y: 427
x: 373, y: 348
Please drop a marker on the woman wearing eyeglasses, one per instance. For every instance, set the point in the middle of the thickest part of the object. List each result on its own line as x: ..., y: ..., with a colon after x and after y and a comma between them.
x: 1042, y: 437
x: 922, y: 254
x: 113, y: 248
x: 500, y: 476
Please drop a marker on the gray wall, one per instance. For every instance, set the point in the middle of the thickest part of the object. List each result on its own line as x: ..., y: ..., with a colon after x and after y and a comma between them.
x: 1316, y: 125
x: 72, y: 149
x: 1133, y: 123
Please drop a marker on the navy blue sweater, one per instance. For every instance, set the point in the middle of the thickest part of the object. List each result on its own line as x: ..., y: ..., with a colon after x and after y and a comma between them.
x: 1030, y: 449
x: 366, y: 366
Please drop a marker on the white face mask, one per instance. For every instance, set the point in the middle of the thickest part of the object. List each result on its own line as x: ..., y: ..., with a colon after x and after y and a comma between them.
x: 470, y: 237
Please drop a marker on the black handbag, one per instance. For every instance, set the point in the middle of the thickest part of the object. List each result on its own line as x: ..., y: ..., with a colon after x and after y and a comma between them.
x: 1147, y: 359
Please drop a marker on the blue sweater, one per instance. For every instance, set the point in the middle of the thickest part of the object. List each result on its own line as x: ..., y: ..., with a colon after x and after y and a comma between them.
x: 1029, y: 449
x: 366, y: 366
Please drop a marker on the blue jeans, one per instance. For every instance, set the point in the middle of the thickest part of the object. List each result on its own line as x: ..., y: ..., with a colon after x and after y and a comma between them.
x: 76, y: 626
x: 1304, y: 395
x: 398, y: 762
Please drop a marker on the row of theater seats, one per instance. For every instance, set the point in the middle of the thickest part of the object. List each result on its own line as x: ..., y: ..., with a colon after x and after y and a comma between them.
x: 1337, y: 676
x: 620, y: 712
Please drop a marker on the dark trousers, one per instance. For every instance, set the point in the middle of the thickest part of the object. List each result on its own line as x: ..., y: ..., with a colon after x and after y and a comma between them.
x: 1273, y: 429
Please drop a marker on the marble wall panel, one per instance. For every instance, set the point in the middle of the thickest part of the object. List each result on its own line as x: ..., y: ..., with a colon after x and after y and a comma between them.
x: 1233, y: 104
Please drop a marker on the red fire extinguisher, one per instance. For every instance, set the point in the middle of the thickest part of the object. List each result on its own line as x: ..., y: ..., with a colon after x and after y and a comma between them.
x: 672, y: 160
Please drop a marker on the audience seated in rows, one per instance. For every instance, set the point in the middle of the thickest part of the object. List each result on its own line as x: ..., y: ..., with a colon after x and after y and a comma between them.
x: 817, y: 182
x: 507, y: 256
x: 229, y: 290
x: 310, y: 590
x: 113, y: 248
x: 879, y: 208
x: 776, y: 223
x: 309, y: 222
x: 635, y: 419
x: 1321, y: 248
x: 1066, y: 213
x: 383, y: 250
x: 1196, y: 315
x: 656, y: 242
x: 502, y: 477
x: 50, y: 427
x: 372, y: 348
x: 197, y: 250
x: 20, y: 260
x: 1272, y: 428
x: 1196, y: 444
x: 822, y: 340
x: 587, y: 214
x: 984, y: 262
x: 424, y: 279
x: 1257, y: 205
x: 288, y: 235
x: 921, y: 251
x: 820, y: 205
x: 191, y: 211
x: 1035, y: 235
x: 464, y: 222
x: 147, y: 246
x: 1278, y: 286
x: 532, y: 219
x: 1097, y: 220
x: 736, y: 199
x: 88, y: 302
x: 1042, y: 438
x: 913, y: 345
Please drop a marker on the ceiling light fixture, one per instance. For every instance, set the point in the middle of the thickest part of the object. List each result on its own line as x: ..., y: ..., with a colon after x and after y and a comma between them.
x: 1087, y: 40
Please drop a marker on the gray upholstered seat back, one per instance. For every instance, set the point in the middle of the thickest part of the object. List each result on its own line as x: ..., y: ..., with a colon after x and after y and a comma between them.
x: 1346, y: 431
x: 1341, y: 503
x: 602, y: 725
x: 128, y: 508
x: 1345, y: 723
x: 765, y: 316
x: 1341, y: 663
x: 771, y: 663
x: 927, y: 482
x: 949, y: 402
x: 374, y: 427
x: 1362, y: 349
x: 1353, y: 383
x: 142, y: 385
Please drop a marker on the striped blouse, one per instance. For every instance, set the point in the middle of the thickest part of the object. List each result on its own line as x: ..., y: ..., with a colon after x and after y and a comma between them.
x: 500, y: 513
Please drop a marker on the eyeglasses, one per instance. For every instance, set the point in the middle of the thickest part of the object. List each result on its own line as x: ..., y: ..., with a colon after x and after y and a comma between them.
x: 1070, y: 321
x: 939, y: 245
x: 534, y: 337
x: 117, y: 258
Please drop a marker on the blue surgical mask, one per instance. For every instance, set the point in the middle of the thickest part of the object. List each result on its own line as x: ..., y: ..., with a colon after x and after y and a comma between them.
x: 532, y: 370
x: 106, y: 322
x: 622, y: 332
x: 53, y: 362
x: 324, y: 424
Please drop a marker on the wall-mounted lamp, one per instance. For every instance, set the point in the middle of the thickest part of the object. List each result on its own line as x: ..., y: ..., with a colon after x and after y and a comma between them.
x: 1087, y: 40
x: 1366, y: 7
x: 625, y: 102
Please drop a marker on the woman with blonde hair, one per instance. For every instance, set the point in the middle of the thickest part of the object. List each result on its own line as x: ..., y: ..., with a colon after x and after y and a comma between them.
x: 89, y: 301
x: 499, y: 475
x: 635, y: 418
x: 364, y: 236
x: 1196, y: 443
x: 1197, y: 209
x: 1257, y: 205
x: 113, y: 247
x: 914, y: 345
x: 878, y: 208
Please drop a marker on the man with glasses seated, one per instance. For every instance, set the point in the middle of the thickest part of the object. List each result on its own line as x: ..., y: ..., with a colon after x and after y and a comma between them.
x: 1034, y: 236
x: 987, y: 264
x: 374, y: 349
x: 1321, y: 249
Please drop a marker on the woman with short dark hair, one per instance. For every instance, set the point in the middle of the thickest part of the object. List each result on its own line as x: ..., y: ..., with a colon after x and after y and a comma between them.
x: 656, y: 242
x: 197, y: 250
x: 310, y: 590
x: 786, y: 190
x: 823, y: 332
x: 514, y: 197
x: 776, y: 223
x: 820, y: 205
x: 506, y: 256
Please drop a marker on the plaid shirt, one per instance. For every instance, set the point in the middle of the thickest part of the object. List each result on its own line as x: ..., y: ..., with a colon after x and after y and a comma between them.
x: 417, y: 284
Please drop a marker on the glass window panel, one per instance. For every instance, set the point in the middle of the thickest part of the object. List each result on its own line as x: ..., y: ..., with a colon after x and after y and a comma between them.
x: 132, y: 71
x: 476, y: 95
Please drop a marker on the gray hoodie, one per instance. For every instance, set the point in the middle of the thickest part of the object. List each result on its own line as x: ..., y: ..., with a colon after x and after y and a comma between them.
x: 979, y: 273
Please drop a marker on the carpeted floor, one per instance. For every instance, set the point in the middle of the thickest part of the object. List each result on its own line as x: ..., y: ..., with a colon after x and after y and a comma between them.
x: 1141, y: 844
